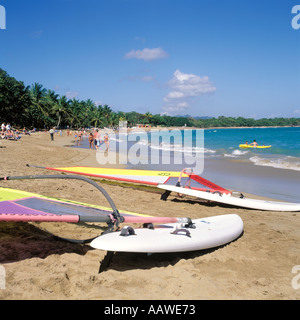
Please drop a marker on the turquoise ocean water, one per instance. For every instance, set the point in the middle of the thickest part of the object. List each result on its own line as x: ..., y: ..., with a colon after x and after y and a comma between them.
x: 283, y: 154
x: 224, y: 144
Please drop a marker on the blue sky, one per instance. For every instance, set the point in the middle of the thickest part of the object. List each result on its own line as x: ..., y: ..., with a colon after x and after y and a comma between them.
x: 198, y: 57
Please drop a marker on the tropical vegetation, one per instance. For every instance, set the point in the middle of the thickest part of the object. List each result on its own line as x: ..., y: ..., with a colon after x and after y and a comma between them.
x: 37, y: 107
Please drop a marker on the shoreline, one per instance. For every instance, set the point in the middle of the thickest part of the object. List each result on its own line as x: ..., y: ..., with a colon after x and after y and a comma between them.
x: 256, y: 266
x: 212, y: 128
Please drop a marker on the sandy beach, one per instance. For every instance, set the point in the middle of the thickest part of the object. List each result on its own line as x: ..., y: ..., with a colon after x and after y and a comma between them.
x: 258, y: 265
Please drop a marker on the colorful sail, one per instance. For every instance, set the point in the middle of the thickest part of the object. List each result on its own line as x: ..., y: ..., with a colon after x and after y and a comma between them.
x: 24, y: 206
x: 18, y: 205
x: 149, y: 177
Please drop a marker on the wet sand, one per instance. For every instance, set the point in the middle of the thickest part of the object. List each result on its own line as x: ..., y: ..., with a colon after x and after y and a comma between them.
x: 258, y: 265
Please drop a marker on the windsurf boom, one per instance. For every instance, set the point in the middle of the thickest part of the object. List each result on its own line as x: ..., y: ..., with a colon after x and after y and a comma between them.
x: 23, y: 206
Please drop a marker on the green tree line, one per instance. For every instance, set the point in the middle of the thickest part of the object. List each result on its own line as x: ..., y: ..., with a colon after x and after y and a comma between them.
x: 37, y: 107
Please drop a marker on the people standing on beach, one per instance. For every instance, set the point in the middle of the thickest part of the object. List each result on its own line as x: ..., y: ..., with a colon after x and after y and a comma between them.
x: 51, y: 131
x: 79, y: 137
x: 76, y: 138
x: 91, y: 140
x: 97, y: 139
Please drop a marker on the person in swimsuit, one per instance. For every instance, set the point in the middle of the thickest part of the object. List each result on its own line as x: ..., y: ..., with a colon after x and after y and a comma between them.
x: 76, y: 138
x: 91, y: 140
x: 254, y: 144
x: 98, y: 140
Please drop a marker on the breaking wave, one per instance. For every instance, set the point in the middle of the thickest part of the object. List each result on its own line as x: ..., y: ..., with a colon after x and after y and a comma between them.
x: 288, y: 162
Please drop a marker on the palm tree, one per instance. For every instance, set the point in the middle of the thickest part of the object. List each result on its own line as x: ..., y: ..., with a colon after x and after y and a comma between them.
x: 73, y: 116
x: 51, y: 96
x: 61, y: 108
x: 97, y: 116
x: 113, y: 119
x: 39, y: 111
x: 106, y: 114
x: 147, y: 116
x: 133, y: 118
x: 50, y: 100
x: 89, y: 109
x: 37, y: 92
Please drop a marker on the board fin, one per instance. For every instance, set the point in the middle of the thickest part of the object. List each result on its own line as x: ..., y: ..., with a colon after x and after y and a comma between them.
x: 104, y: 264
x: 165, y: 195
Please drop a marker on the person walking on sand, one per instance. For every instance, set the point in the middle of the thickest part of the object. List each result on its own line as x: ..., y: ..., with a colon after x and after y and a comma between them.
x: 51, y: 131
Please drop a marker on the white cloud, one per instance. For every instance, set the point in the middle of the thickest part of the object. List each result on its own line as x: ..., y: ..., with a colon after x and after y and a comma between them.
x: 142, y: 39
x: 139, y: 78
x: 57, y: 87
x: 148, y: 78
x: 184, y: 89
x: 147, y: 54
x: 71, y: 94
x: 98, y: 103
x: 189, y: 85
x: 36, y: 34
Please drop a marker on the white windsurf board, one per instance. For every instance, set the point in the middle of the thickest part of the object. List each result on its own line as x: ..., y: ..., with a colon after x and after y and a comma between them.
x: 208, y: 233
x: 234, y: 201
